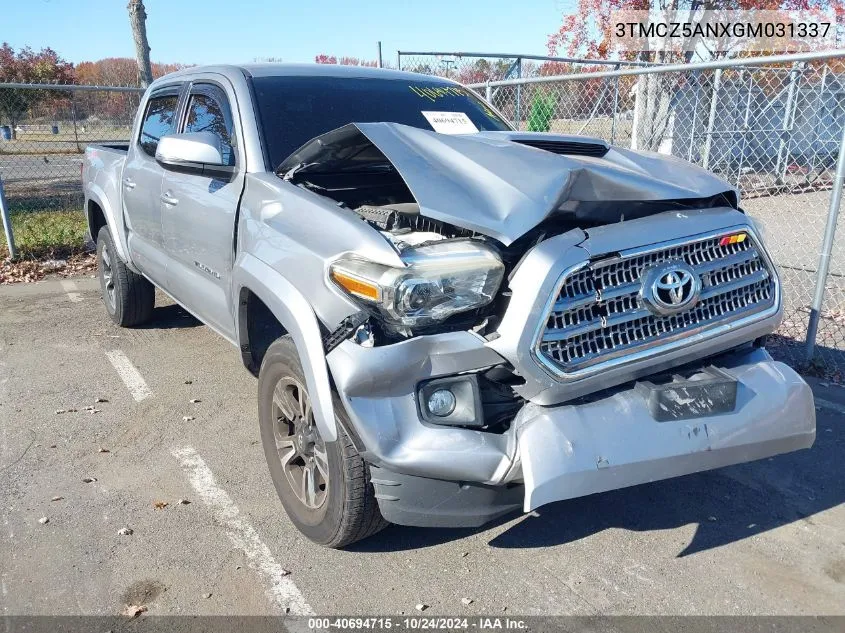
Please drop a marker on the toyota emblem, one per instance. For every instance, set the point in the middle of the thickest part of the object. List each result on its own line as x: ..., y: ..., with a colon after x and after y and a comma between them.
x: 670, y: 288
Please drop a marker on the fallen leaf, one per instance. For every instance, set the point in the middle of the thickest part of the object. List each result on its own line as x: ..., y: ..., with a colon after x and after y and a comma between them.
x: 125, y: 531
x: 160, y: 505
x: 134, y: 610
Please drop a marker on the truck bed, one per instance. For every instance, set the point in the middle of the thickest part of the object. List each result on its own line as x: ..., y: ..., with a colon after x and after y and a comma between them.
x: 123, y: 148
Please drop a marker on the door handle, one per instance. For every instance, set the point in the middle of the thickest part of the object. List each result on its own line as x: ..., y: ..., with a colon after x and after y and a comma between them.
x: 168, y: 199
x: 128, y: 183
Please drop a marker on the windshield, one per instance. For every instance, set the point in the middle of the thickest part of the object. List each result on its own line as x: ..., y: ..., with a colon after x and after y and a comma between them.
x: 293, y: 110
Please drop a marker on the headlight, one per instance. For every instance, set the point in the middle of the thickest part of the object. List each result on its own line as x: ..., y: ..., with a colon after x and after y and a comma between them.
x: 438, y: 281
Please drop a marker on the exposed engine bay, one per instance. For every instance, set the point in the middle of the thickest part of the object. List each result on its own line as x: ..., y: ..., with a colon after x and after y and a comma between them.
x: 511, y: 189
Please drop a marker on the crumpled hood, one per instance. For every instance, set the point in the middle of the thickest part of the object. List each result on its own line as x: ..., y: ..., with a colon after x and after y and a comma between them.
x: 488, y: 183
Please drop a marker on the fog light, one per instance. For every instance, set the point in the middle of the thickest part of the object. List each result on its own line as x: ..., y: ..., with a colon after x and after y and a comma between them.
x: 441, y: 402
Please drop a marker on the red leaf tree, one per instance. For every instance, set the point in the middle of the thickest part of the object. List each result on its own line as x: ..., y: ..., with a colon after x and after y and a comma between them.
x: 586, y: 33
x: 27, y: 66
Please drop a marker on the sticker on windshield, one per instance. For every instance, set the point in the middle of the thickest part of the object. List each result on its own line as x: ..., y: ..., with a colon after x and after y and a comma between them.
x: 450, y: 122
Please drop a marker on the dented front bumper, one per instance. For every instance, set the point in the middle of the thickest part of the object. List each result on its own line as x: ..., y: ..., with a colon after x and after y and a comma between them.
x: 433, y: 475
x: 572, y: 451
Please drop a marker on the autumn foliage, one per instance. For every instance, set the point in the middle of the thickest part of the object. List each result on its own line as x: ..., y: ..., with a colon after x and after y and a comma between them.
x: 46, y: 67
x: 344, y: 61
x: 586, y: 31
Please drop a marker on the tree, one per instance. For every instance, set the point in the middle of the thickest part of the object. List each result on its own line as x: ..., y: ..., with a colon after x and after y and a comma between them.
x: 587, y: 33
x: 27, y: 66
x: 542, y: 110
x: 137, y: 20
x: 112, y: 71
x: 344, y: 61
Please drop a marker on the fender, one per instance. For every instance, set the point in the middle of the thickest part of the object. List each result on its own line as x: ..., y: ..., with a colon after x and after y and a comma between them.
x: 295, y: 314
x: 95, y: 192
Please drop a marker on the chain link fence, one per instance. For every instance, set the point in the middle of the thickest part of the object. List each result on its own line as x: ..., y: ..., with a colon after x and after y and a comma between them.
x: 43, y: 134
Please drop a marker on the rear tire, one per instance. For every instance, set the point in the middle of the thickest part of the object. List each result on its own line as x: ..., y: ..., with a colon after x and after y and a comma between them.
x: 335, y: 504
x: 128, y: 296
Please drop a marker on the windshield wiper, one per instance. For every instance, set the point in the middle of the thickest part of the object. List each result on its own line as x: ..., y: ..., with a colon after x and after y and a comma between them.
x: 338, y: 167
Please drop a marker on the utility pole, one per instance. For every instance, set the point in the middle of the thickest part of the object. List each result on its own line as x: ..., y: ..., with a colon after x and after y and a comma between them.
x: 137, y: 20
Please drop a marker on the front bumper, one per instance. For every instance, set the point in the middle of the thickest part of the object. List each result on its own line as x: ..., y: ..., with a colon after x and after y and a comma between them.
x: 548, y: 453
x: 572, y: 451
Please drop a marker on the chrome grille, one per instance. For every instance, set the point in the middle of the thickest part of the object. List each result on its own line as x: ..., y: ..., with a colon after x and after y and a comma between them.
x: 598, y: 313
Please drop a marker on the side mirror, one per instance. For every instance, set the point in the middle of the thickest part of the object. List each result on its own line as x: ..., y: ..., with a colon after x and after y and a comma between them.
x: 192, y: 151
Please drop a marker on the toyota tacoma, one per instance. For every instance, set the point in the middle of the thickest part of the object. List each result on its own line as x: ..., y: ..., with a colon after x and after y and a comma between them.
x: 450, y: 319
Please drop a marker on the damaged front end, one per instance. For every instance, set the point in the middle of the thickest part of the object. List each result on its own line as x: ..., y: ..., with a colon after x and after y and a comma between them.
x: 496, y: 366
x: 451, y: 201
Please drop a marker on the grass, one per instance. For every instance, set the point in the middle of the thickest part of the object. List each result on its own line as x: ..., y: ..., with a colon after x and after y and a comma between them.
x: 48, y: 233
x: 65, y: 142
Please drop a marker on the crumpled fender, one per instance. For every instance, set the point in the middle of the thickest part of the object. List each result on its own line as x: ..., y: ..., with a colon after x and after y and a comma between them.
x: 295, y: 314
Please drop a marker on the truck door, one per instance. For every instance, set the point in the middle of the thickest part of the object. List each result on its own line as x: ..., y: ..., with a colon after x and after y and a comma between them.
x: 141, y: 183
x: 199, y: 213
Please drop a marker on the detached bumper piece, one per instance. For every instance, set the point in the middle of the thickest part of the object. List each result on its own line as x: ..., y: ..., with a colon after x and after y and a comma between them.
x: 424, y: 502
x: 628, y: 438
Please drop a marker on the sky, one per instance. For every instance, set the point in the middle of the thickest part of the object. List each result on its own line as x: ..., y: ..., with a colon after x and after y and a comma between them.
x: 232, y: 31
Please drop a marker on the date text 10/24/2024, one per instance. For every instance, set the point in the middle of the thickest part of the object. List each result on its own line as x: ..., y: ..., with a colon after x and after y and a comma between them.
x: 481, y: 623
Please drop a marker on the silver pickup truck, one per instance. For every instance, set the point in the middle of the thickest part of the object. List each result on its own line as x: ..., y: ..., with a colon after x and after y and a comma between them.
x: 449, y: 319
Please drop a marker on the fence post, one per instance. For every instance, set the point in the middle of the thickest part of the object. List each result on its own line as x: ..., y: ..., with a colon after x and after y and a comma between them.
x: 518, y: 92
x: 7, y: 223
x: 786, y: 126
x: 488, y: 93
x: 711, y: 120
x: 615, y: 108
x: 691, y: 138
x: 818, y: 116
x: 745, y: 128
x: 827, y: 248
x: 73, y: 116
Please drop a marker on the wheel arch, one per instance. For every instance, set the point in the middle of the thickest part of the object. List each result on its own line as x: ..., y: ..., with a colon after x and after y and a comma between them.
x: 98, y: 209
x: 262, y: 292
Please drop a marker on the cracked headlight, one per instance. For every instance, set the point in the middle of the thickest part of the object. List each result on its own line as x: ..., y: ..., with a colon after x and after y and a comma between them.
x: 438, y: 280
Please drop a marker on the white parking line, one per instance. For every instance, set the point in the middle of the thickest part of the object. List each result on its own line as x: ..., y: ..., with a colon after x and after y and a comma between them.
x: 129, y: 375
x: 71, y: 290
x: 282, y: 591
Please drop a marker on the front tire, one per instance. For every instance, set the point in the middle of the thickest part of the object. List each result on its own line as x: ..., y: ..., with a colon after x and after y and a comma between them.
x: 129, y: 298
x: 324, y: 487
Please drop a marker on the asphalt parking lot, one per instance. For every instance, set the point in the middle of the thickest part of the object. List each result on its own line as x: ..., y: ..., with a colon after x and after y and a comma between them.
x: 165, y: 413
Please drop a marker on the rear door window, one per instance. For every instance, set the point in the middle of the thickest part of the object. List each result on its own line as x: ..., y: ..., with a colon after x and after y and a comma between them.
x: 159, y: 120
